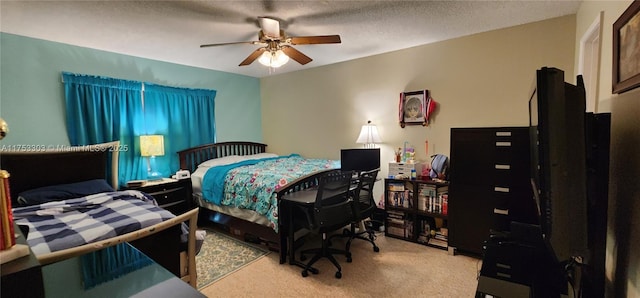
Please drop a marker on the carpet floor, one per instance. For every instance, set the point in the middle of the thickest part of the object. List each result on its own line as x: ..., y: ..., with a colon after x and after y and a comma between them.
x: 222, y: 255
x: 400, y: 269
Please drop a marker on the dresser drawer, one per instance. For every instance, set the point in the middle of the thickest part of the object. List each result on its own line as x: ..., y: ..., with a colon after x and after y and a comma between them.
x: 404, y: 169
x: 167, y: 197
x: 174, y: 195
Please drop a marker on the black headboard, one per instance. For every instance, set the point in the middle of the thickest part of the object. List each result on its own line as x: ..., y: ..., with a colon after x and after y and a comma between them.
x: 30, y: 170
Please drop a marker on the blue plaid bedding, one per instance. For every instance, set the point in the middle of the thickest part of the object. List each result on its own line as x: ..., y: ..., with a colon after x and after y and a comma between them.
x: 64, y: 224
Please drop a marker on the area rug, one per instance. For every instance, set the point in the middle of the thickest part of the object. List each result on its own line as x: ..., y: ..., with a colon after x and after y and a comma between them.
x: 222, y: 255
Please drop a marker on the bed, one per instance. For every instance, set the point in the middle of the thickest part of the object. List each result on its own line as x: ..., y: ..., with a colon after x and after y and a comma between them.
x: 249, y: 169
x: 146, y: 224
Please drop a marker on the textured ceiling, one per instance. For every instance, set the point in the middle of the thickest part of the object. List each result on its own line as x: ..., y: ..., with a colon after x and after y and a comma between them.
x: 173, y: 30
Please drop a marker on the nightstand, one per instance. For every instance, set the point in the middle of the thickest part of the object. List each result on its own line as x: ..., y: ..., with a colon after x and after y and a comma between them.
x: 173, y: 195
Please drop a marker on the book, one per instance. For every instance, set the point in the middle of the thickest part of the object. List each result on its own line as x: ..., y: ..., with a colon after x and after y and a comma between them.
x: 440, y: 237
x: 445, y: 204
x: 396, y: 187
x: 438, y: 242
x: 136, y: 183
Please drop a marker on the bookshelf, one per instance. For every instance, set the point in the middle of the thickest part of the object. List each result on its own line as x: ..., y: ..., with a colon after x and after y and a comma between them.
x: 417, y: 211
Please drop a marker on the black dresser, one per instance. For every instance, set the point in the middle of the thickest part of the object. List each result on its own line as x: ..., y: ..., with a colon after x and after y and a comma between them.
x: 489, y: 184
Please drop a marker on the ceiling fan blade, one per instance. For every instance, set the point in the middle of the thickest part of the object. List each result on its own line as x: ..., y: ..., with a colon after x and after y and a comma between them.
x: 252, y: 57
x: 296, y: 55
x: 315, y: 39
x: 270, y: 27
x: 228, y: 43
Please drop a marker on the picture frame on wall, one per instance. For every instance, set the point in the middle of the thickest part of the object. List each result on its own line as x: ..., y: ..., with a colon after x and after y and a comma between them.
x: 626, y: 50
x: 413, y: 104
x: 416, y: 108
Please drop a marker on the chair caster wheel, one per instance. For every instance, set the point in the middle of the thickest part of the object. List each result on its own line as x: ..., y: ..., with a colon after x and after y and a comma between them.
x: 376, y: 249
x: 338, y: 274
x: 314, y: 270
x: 305, y: 273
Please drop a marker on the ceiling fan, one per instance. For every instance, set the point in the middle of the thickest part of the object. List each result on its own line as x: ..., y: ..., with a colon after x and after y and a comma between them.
x: 276, y: 47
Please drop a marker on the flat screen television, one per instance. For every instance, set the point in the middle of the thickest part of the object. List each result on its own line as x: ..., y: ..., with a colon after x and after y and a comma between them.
x: 558, y: 162
x: 359, y: 160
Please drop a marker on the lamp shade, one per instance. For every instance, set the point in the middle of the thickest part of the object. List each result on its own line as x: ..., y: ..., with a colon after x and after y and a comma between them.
x: 369, y: 135
x: 152, y: 145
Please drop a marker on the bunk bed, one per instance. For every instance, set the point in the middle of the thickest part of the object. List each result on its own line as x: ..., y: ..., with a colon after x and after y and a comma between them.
x: 234, y: 213
x: 52, y: 170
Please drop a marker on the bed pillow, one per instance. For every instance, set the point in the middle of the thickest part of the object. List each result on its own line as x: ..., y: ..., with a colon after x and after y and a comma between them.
x: 220, y: 161
x: 63, y: 192
x: 260, y: 155
x: 233, y: 159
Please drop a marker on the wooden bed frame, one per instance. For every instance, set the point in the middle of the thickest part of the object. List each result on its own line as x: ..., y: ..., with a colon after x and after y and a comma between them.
x: 192, y: 157
x: 29, y: 170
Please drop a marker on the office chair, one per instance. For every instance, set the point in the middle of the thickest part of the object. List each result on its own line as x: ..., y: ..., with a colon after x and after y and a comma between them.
x: 331, y: 211
x: 363, y: 207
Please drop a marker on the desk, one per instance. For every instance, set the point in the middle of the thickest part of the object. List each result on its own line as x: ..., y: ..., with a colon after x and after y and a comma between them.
x: 304, y: 198
x: 64, y: 279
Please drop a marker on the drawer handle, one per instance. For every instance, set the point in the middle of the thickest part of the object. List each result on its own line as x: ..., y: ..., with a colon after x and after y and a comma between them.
x: 501, y: 189
x: 505, y: 266
x: 503, y: 167
x: 503, y: 144
x: 500, y: 274
x: 503, y: 133
x: 164, y: 206
x: 165, y: 191
x: 501, y: 211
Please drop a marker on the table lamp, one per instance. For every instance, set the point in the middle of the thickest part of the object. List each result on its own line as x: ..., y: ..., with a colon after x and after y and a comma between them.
x: 369, y: 135
x: 152, y: 146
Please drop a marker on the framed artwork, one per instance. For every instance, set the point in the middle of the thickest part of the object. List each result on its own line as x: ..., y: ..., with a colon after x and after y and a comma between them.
x: 626, y: 50
x: 412, y: 108
x: 415, y: 108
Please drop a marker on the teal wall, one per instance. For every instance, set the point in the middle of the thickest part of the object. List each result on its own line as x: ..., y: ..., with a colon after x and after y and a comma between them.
x: 32, y: 94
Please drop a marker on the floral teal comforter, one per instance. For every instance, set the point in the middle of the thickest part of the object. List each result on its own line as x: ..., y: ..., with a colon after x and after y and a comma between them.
x: 252, y: 185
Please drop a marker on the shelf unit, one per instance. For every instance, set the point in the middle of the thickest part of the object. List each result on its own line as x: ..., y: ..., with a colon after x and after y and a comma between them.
x: 416, y: 211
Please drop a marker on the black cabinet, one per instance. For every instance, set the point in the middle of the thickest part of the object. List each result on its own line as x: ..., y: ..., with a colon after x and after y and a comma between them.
x: 489, y: 179
x: 173, y: 195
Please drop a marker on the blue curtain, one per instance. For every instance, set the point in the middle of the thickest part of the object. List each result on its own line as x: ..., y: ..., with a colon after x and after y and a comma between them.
x: 186, y: 118
x: 102, y: 110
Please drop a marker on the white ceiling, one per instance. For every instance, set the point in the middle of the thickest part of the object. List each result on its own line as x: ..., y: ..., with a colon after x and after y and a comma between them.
x: 172, y: 31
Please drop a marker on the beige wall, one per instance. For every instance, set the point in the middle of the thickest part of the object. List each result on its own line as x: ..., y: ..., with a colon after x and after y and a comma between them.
x: 623, y: 229
x: 478, y: 80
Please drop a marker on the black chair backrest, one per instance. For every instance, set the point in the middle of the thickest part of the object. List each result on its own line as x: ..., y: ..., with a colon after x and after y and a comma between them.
x: 364, y: 202
x: 333, y: 206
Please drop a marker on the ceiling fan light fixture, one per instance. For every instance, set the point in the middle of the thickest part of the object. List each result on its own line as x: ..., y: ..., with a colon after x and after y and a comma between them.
x: 273, y: 59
